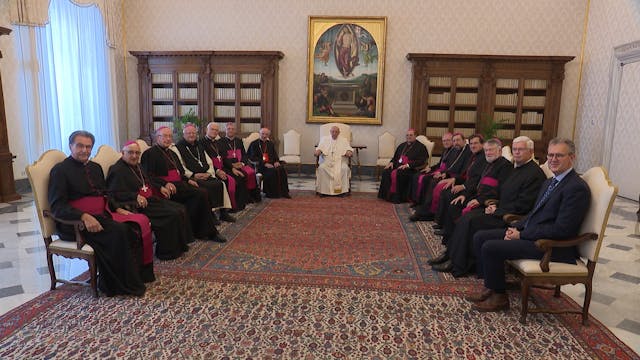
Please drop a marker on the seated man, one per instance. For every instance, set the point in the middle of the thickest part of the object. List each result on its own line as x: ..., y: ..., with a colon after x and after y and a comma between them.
x: 517, y: 196
x: 559, y: 210
x: 236, y: 184
x: 333, y: 173
x: 410, y: 156
x: 131, y: 188
x: 165, y: 170
x: 421, y: 178
x: 263, y: 152
x: 77, y: 191
x: 234, y: 157
x: 196, y: 166
x: 452, y: 175
x: 487, y: 186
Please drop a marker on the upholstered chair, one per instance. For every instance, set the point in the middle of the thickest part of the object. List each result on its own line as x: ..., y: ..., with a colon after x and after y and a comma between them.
x: 386, y: 149
x: 291, y: 154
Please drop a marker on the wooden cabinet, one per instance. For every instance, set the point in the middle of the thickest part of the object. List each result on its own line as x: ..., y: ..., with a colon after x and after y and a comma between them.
x: 220, y: 86
x: 7, y: 182
x: 463, y: 93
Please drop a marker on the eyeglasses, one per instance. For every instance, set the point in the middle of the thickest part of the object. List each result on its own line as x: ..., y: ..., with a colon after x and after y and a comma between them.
x: 557, y: 156
x: 132, y: 152
x: 518, y: 149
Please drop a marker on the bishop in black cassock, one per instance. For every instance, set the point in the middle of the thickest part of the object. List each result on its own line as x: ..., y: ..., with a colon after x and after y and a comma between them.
x: 165, y: 171
x: 76, y: 184
x: 274, y: 176
x: 131, y: 189
x: 408, y: 158
x: 234, y: 158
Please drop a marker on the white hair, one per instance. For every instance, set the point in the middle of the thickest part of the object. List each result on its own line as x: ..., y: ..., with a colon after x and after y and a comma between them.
x: 524, y: 139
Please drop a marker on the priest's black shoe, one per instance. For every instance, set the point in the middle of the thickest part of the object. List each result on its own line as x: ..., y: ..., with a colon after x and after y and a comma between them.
x: 438, y: 259
x: 216, y: 222
x: 446, y: 266
x: 225, y: 216
x: 436, y: 226
x: 217, y: 238
x: 414, y: 217
x: 439, y: 232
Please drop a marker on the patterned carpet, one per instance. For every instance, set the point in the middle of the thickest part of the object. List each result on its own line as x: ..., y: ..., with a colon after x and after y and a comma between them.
x: 290, y: 284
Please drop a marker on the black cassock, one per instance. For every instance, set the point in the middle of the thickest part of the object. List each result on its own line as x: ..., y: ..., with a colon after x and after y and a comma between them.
x: 158, y: 162
x: 232, y: 151
x: 168, y: 218
x: 236, y: 185
x: 517, y: 196
x: 275, y: 183
x: 117, y: 248
x: 395, y: 184
x: 196, y: 162
x: 484, y: 187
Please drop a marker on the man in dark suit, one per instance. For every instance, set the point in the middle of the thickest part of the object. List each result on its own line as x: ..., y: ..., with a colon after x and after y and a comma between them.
x: 560, y: 208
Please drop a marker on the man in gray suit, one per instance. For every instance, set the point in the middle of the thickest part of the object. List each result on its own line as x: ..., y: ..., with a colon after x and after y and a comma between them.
x: 560, y: 208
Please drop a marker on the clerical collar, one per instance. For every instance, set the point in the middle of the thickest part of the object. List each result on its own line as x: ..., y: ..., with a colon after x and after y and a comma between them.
x: 78, y: 161
x: 515, y: 165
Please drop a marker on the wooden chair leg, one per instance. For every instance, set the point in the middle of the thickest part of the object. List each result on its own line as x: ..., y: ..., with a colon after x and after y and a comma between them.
x: 525, y: 301
x: 52, y: 271
x: 587, y: 301
x: 93, y: 272
x: 556, y: 292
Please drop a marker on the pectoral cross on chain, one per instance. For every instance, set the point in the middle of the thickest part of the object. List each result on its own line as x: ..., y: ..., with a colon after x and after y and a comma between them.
x: 145, y: 188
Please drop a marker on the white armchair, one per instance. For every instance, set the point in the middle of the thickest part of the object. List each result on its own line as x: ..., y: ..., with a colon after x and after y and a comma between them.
x: 291, y: 154
x: 386, y: 148
x: 429, y: 145
x: 105, y: 157
x: 345, y: 130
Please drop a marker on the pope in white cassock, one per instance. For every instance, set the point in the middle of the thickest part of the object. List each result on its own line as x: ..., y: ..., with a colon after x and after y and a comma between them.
x: 333, y: 173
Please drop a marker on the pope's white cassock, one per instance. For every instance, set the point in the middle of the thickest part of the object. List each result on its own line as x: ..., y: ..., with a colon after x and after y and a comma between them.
x: 333, y: 173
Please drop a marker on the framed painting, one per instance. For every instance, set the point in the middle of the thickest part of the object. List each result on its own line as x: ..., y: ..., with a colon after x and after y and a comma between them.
x: 346, y: 69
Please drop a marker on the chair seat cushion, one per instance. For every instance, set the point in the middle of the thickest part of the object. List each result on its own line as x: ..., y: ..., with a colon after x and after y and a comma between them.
x: 532, y: 268
x: 70, y: 245
x: 290, y: 159
x: 383, y: 161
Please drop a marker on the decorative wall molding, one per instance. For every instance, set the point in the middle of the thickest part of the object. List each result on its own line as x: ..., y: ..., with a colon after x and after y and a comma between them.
x: 622, y: 55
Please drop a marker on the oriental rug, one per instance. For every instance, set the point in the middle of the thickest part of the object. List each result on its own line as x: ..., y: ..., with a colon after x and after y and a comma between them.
x: 313, y: 278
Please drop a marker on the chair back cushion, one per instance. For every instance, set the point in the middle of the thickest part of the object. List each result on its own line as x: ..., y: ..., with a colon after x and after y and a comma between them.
x: 249, y: 139
x: 105, y: 157
x: 345, y: 131
x: 546, y: 170
x: 143, y: 145
x: 38, y: 174
x: 506, y: 153
x: 291, y: 143
x: 603, y: 193
x: 429, y: 145
x: 386, y: 145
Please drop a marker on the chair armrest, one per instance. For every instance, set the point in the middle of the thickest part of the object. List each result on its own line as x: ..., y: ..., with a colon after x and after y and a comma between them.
x: 78, y: 226
x: 511, y: 218
x: 547, y: 246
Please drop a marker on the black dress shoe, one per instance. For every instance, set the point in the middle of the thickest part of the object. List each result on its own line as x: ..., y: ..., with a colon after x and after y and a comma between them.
x: 446, y: 266
x: 286, y: 196
x: 438, y: 259
x: 224, y: 216
x: 436, y: 226
x: 216, y: 222
x: 439, y: 232
x: 429, y: 217
x: 414, y: 218
x: 217, y: 238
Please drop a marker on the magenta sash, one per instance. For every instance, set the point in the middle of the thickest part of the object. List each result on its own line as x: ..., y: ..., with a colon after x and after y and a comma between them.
x: 466, y: 210
x: 172, y: 175
x: 416, y: 196
x: 394, y: 181
x: 146, y: 194
x: 435, y: 199
x: 231, y: 182
x: 217, y: 162
x: 145, y: 227
x: 489, y: 181
x: 251, y: 177
x: 235, y: 154
x: 94, y: 205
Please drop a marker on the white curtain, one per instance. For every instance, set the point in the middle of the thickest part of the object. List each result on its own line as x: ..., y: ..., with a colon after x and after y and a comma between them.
x: 66, y: 78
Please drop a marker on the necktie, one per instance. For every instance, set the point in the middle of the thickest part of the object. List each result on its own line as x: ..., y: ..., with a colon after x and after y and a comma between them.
x: 552, y: 185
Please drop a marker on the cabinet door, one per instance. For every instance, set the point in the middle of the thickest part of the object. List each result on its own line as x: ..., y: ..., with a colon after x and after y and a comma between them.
x: 224, y: 97
x: 452, y: 105
x: 163, y: 94
x: 250, y: 102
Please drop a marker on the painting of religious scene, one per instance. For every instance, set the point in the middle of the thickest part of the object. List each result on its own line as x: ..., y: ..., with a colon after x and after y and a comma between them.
x: 346, y: 67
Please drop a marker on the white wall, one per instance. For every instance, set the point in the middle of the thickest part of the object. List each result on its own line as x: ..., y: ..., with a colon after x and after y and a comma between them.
x: 602, y: 36
x: 541, y: 27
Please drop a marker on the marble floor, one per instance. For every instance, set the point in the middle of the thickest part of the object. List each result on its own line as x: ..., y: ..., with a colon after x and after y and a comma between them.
x: 615, y: 302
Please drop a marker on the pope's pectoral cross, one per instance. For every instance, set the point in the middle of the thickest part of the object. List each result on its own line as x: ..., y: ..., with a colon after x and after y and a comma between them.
x: 145, y: 188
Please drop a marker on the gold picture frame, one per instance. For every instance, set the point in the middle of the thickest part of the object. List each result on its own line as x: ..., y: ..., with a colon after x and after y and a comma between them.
x: 345, y: 73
